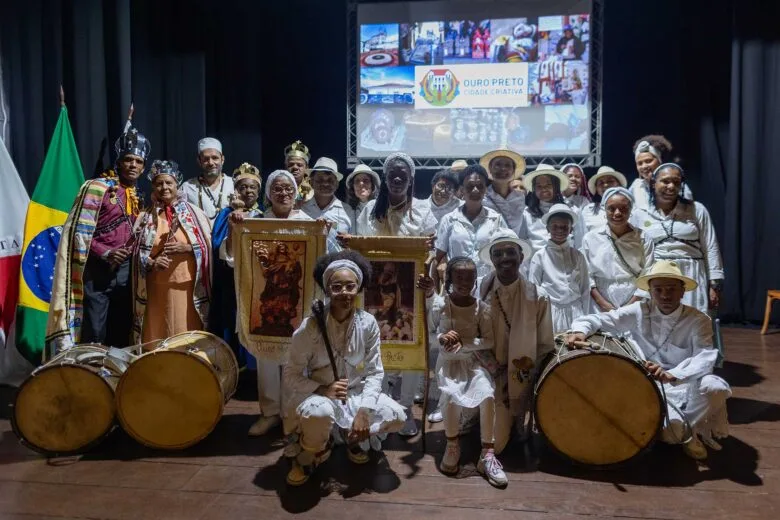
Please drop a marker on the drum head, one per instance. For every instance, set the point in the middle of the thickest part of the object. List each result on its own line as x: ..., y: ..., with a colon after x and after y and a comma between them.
x: 598, y: 409
x: 63, y: 409
x: 169, y: 399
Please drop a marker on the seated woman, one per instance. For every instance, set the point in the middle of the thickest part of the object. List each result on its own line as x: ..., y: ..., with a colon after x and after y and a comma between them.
x: 171, y: 261
x: 616, y: 255
x: 466, y: 368
x: 675, y: 342
x: 464, y: 231
x: 315, y: 397
x: 606, y: 177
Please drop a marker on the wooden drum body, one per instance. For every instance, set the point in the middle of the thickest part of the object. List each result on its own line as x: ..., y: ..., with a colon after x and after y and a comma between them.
x: 67, y: 405
x: 173, y: 396
x: 598, y: 406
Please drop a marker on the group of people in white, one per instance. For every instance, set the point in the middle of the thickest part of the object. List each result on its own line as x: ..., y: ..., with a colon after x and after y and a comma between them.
x: 519, y: 257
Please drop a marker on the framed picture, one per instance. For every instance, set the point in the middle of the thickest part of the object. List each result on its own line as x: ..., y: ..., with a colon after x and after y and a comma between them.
x: 393, y: 299
x: 274, y: 259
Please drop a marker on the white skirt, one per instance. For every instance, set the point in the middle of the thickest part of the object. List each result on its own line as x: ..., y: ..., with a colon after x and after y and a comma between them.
x: 462, y: 381
x: 616, y: 292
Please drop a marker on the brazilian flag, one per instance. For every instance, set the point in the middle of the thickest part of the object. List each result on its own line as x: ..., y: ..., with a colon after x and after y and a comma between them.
x: 59, y: 183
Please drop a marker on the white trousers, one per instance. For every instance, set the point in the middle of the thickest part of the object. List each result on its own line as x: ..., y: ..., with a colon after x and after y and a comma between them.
x: 704, y: 410
x: 269, y: 387
x: 487, y: 419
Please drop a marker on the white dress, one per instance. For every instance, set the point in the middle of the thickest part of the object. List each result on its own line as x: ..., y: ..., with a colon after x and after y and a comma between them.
x: 206, y: 199
x: 686, y: 236
x: 464, y: 377
x: 356, y: 348
x: 533, y: 229
x: 398, y: 223
x: 336, y: 213
x: 593, y: 220
x: 511, y: 207
x: 459, y: 236
x: 439, y: 211
x: 681, y: 342
x: 577, y: 201
x: 641, y: 193
x: 561, y: 272
x: 614, y: 263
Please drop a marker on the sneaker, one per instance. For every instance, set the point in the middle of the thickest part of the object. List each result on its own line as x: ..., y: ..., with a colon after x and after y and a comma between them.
x: 695, y: 449
x: 409, y: 429
x: 298, y: 474
x: 263, y: 425
x: 304, y: 465
x: 357, y: 455
x: 491, y: 469
x: 451, y: 459
x: 710, y: 442
x: 435, y: 416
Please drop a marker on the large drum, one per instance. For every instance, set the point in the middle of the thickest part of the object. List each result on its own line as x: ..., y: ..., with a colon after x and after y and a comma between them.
x: 67, y: 405
x: 599, y: 405
x: 173, y: 396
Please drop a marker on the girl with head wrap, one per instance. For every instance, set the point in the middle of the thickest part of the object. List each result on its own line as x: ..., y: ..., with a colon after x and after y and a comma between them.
x: 649, y: 152
x: 171, y: 262
x: 682, y: 230
x: 616, y: 254
x: 316, y: 399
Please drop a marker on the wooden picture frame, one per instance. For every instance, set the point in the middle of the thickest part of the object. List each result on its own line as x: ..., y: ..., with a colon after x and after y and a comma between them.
x: 274, y: 259
x: 392, y: 297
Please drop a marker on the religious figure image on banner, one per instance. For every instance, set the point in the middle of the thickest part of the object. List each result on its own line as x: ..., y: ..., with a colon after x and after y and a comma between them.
x: 278, y: 282
x: 272, y: 276
x: 390, y: 298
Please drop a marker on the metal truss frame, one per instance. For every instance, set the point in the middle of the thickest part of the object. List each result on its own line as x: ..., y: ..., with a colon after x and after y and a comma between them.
x: 593, y: 158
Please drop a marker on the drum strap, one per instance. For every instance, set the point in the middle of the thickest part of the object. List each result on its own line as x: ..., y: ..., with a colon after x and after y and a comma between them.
x: 318, y: 311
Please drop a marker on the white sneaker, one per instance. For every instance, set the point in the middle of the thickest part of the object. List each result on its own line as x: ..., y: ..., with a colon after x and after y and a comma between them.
x: 695, y: 449
x: 451, y: 460
x: 263, y: 425
x: 435, y: 416
x: 491, y: 469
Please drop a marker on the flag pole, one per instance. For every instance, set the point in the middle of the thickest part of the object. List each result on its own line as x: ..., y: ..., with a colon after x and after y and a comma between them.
x: 62, y: 97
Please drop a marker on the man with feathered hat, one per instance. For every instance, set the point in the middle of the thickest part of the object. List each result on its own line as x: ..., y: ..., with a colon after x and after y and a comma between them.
x: 91, y: 287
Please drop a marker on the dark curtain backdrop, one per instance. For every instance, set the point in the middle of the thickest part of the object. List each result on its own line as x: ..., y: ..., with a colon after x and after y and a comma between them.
x: 704, y: 73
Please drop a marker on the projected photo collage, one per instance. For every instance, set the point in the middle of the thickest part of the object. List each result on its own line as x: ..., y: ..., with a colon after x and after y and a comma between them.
x: 465, y: 87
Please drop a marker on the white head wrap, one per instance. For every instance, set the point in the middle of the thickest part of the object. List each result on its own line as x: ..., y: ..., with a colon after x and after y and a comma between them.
x: 207, y: 143
x: 338, y: 265
x: 398, y: 156
x: 617, y: 190
x: 276, y: 174
x: 646, y: 147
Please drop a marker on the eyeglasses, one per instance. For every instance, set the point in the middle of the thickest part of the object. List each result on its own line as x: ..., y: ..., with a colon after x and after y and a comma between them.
x: 282, y: 190
x: 338, y: 288
x: 444, y: 186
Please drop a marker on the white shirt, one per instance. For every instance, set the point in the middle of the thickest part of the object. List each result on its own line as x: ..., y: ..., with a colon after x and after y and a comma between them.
x: 577, y: 201
x: 534, y: 230
x: 439, y: 211
x: 458, y: 236
x: 334, y: 212
x: 421, y: 223
x: 593, y: 221
x: 211, y: 201
x: 511, y: 207
x: 614, y: 274
x: 641, y: 193
x: 562, y: 273
x: 685, y: 233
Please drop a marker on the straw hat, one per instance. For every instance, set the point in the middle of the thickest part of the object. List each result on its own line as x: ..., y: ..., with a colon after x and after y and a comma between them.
x: 558, y: 209
x: 606, y: 171
x: 518, y: 159
x: 326, y: 164
x: 665, y: 269
x: 362, y: 168
x: 545, y: 169
x: 458, y: 165
x: 503, y: 236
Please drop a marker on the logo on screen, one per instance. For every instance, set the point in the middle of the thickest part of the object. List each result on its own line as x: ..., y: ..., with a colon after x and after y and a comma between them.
x: 439, y: 87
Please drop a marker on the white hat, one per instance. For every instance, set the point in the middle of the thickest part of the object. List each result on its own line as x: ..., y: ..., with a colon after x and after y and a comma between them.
x: 458, y: 165
x: 504, y: 236
x: 515, y: 157
x: 362, y: 168
x: 326, y: 164
x: 606, y: 171
x: 665, y: 269
x: 209, y: 143
x: 558, y: 209
x: 545, y: 169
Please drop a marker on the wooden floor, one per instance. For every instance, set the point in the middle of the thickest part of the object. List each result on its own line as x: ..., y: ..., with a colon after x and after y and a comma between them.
x: 231, y: 476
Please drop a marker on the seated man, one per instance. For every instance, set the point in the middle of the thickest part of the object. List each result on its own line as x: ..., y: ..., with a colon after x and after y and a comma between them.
x: 675, y: 342
x: 333, y: 375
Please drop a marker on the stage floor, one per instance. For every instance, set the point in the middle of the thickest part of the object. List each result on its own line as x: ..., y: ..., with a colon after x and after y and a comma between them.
x: 232, y: 476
